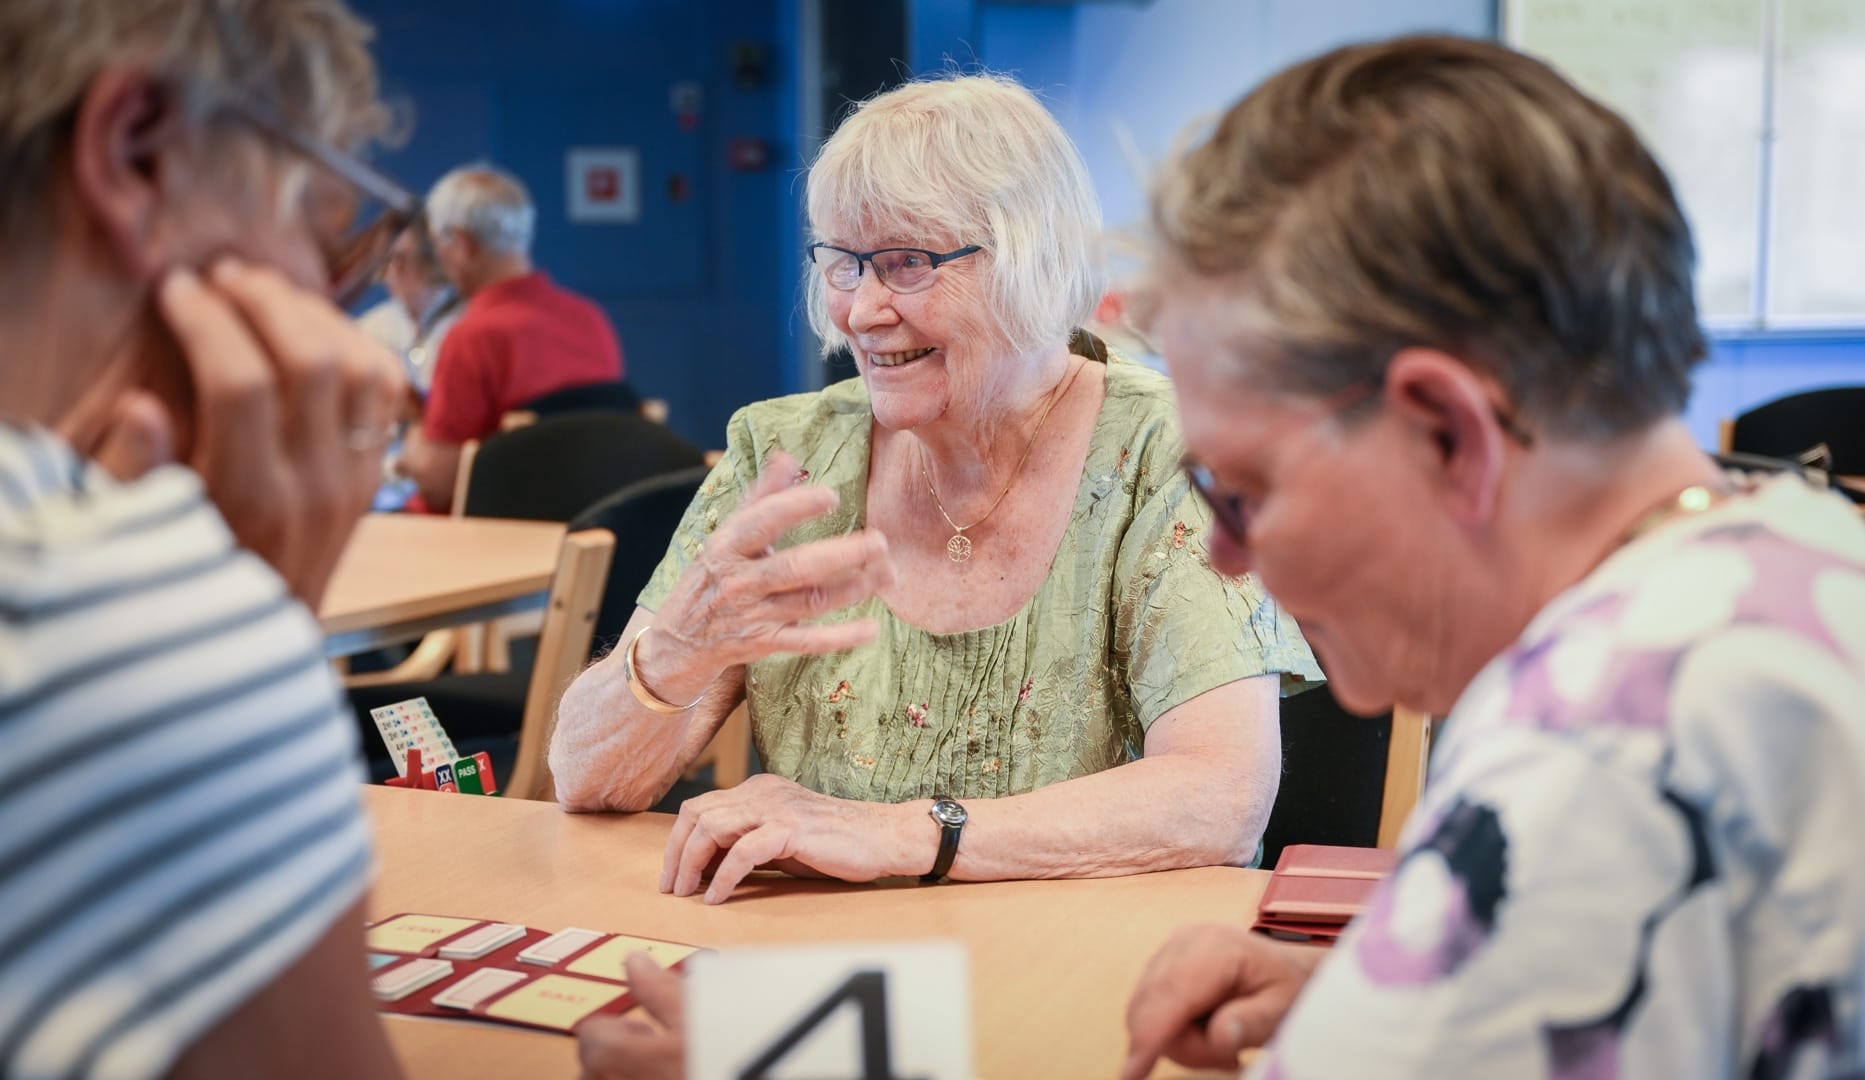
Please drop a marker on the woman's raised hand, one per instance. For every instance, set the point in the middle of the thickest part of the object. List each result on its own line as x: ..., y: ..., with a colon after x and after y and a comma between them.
x: 742, y: 600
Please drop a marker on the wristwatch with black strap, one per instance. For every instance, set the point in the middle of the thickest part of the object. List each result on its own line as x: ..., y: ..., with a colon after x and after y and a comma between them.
x: 951, y: 818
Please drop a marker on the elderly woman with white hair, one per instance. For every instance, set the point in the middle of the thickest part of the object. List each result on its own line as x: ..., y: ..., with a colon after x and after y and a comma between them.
x: 966, y: 594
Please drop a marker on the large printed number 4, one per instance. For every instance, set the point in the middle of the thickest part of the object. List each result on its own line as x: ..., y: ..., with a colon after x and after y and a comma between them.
x: 868, y: 991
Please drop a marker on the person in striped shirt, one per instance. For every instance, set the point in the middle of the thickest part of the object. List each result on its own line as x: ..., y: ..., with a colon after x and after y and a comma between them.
x: 189, y: 428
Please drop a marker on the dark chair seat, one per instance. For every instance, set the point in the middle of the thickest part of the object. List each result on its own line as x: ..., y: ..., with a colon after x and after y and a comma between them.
x: 1788, y: 427
x: 590, y: 397
x: 1333, y: 775
x: 643, y: 518
x: 552, y: 470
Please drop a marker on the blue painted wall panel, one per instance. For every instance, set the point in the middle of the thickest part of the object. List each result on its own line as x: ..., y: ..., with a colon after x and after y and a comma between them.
x: 696, y: 286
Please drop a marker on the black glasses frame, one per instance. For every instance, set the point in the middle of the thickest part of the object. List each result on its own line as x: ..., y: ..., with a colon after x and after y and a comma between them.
x: 934, y: 260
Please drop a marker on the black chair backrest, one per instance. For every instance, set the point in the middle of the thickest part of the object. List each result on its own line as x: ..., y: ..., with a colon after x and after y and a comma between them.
x: 1789, y: 426
x: 554, y: 469
x: 643, y: 517
x: 1333, y: 775
x: 590, y: 397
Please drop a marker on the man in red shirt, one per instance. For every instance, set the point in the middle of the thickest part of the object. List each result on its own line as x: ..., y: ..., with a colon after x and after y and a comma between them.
x: 521, y: 336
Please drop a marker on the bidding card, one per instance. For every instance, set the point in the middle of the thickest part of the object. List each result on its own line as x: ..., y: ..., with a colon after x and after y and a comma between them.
x: 605, y: 960
x: 555, y: 1001
x: 478, y: 986
x: 412, y: 725
x: 487, y: 939
x: 559, y: 947
x: 415, y: 933
x: 398, y: 982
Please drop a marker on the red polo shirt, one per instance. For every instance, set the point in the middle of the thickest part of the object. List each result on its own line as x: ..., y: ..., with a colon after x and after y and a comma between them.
x: 518, y: 340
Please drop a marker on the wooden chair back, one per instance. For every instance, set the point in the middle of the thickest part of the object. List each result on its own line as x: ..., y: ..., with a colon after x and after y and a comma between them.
x: 563, y: 649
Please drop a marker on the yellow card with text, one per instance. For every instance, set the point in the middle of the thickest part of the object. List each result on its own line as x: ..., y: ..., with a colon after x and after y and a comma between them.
x: 605, y: 960
x: 555, y: 1001
x: 413, y: 933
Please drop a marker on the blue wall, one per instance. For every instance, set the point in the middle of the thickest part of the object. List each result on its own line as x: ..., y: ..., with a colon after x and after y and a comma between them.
x: 705, y: 292
x: 702, y: 291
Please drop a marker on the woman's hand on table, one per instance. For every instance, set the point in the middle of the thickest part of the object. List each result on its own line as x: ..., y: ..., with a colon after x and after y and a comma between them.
x: 774, y: 823
x: 291, y: 410
x: 630, y: 1048
x: 742, y: 600
x: 1211, y: 992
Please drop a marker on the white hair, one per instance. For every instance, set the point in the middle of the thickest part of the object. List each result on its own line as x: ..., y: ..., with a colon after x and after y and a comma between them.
x: 487, y: 204
x: 959, y: 160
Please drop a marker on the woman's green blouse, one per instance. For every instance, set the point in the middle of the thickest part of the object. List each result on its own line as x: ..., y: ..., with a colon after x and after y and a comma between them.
x: 1131, y: 621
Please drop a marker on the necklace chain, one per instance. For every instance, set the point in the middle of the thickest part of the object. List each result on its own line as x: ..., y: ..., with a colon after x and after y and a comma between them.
x: 958, y: 546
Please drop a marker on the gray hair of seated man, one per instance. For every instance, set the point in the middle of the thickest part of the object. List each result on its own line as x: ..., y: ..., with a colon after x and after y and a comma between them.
x: 486, y: 203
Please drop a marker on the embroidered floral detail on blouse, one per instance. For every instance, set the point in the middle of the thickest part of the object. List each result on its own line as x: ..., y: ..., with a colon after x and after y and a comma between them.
x: 862, y: 760
x: 992, y: 765
x: 917, y: 714
x: 1121, y: 465
x: 801, y: 476
x: 1028, y: 685
x: 1180, y: 531
x: 842, y: 692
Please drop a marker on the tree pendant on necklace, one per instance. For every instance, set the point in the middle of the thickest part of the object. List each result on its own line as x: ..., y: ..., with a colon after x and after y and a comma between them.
x: 958, y: 549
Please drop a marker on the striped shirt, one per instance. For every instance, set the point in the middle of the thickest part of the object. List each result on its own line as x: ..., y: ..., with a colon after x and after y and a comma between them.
x: 177, y: 770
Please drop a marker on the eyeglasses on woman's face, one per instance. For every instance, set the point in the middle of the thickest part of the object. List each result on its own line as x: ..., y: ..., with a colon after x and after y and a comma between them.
x: 1232, y: 511
x: 901, y: 269
x: 355, y: 228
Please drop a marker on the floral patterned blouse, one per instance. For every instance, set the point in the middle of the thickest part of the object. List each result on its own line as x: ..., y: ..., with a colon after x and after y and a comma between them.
x: 1639, y: 852
x: 1131, y: 620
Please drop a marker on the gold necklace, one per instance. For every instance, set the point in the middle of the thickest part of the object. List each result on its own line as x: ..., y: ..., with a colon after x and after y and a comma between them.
x: 958, y: 547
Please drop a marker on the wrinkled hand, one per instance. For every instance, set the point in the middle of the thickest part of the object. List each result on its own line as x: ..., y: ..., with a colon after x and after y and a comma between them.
x: 741, y: 600
x: 768, y: 821
x: 291, y: 411
x: 1208, y: 994
x: 630, y: 1048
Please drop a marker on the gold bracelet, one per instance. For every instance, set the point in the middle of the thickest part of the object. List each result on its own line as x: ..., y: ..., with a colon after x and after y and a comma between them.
x: 649, y: 699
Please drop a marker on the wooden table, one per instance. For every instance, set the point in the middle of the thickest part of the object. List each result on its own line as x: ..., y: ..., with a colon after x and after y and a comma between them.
x: 403, y: 575
x: 1052, y: 961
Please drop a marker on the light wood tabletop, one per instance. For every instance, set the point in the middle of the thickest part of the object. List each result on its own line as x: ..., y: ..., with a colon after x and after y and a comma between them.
x: 1051, y: 961
x: 405, y: 574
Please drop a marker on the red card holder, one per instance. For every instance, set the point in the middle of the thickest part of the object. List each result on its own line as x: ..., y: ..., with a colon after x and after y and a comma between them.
x: 1316, y: 890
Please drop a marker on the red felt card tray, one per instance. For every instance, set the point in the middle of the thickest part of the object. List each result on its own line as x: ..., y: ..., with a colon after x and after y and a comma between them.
x: 421, y: 1002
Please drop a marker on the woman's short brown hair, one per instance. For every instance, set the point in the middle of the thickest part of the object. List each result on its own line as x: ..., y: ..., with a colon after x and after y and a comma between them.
x: 1448, y: 193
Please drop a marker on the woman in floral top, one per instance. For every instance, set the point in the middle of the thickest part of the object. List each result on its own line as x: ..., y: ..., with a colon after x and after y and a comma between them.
x: 1459, y: 294
x: 976, y: 572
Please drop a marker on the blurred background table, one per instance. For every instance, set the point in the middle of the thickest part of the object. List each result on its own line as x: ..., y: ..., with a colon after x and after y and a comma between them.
x: 403, y: 575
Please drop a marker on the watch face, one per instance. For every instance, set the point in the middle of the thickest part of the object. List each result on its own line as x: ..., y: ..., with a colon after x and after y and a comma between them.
x: 948, y: 812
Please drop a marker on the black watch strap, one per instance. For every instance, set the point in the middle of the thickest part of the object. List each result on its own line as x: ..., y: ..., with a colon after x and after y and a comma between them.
x: 951, y: 818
